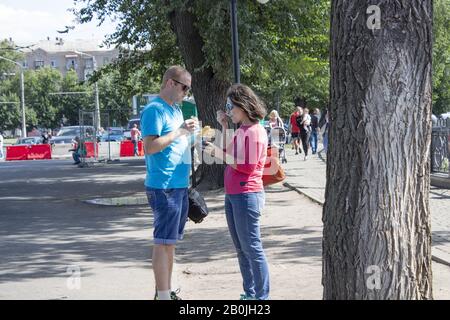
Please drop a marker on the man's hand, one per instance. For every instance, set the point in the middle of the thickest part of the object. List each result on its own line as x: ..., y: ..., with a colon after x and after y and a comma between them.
x: 189, y: 126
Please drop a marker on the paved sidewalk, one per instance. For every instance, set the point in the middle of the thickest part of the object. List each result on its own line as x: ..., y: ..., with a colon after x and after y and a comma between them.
x: 309, y: 178
x: 48, y: 231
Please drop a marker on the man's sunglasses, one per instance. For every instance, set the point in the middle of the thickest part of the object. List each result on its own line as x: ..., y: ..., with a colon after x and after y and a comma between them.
x: 184, y: 87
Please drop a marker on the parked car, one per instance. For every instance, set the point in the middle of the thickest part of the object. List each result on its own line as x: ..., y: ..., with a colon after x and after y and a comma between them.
x: 28, y: 141
x: 112, y: 134
x: 445, y: 115
x: 67, y: 134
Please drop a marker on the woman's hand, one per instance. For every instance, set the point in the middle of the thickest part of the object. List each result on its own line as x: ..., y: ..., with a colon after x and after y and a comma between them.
x: 222, y: 118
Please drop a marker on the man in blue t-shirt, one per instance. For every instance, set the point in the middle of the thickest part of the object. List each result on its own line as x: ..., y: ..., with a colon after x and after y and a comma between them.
x: 167, y: 157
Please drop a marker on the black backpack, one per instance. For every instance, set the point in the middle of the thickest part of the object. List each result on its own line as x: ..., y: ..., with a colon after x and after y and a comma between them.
x: 299, y: 120
x: 314, y: 122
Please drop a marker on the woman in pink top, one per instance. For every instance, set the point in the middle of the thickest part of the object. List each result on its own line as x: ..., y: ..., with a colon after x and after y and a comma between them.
x: 244, y: 199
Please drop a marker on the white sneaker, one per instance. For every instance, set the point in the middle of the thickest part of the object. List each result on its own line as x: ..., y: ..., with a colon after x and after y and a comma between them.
x: 306, y: 158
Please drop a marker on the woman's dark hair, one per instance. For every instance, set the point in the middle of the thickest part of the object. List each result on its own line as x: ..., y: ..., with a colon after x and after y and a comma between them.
x: 244, y: 98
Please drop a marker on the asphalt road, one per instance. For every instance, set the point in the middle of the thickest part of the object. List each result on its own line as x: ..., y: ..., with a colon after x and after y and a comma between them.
x: 47, y: 231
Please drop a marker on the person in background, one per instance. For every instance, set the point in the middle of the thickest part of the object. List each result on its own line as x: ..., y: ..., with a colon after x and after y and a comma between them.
x: 1, y: 146
x: 314, y: 130
x: 295, y: 130
x: 135, y: 136
x: 77, y: 151
x: 304, y: 123
x: 275, y: 120
x: 46, y: 136
x: 326, y: 129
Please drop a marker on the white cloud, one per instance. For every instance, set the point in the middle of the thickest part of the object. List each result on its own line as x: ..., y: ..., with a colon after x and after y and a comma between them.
x: 29, y: 26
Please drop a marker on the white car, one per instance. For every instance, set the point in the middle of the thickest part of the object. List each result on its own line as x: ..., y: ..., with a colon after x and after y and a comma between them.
x: 445, y: 115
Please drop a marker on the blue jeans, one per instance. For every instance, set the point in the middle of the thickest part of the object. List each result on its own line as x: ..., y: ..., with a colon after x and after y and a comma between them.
x: 243, y: 212
x: 313, y: 141
x: 135, y: 144
x: 76, y: 157
x: 325, y: 141
x: 170, y: 211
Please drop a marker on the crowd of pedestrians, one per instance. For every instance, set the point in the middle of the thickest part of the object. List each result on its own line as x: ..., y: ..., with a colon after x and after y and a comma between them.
x: 305, y: 130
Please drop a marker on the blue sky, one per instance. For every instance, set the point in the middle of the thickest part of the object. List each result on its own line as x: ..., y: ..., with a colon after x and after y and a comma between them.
x: 28, y: 21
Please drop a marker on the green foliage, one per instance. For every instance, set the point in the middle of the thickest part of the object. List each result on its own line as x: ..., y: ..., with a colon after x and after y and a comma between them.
x: 9, y: 111
x: 283, y: 44
x: 39, y: 86
x: 7, y: 50
x: 70, y: 104
x: 283, y: 55
x: 48, y: 98
x: 441, y: 57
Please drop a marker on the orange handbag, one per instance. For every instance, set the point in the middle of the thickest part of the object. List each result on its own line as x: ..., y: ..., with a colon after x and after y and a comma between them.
x: 273, y: 172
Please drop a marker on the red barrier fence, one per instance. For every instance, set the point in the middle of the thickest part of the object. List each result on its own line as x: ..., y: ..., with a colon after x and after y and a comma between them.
x: 44, y: 151
x: 16, y: 153
x: 30, y: 152
x: 127, y: 148
x: 39, y: 152
x: 90, y: 149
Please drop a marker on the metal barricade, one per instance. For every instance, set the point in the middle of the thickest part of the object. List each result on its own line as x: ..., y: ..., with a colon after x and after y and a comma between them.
x: 440, y: 147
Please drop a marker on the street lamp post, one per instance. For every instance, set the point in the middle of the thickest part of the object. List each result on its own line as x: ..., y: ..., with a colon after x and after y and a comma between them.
x: 22, y: 95
x: 235, y: 40
x: 97, y: 100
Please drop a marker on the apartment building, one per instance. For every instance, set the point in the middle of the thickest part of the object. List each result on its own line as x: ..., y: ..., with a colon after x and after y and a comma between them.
x: 79, y: 55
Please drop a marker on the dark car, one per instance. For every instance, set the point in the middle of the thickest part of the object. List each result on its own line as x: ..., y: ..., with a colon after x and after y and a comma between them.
x: 67, y: 134
x: 29, y: 141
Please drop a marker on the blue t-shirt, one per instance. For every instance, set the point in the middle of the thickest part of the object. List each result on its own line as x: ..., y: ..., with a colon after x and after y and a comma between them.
x: 170, y: 167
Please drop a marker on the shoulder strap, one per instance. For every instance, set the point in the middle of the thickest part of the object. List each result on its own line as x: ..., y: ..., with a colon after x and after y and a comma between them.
x: 194, y: 179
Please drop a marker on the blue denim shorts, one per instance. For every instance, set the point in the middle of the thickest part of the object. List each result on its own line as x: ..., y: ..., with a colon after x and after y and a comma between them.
x: 170, y: 212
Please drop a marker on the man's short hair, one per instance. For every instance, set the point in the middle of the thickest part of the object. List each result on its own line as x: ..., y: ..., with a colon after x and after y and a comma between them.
x: 174, y: 72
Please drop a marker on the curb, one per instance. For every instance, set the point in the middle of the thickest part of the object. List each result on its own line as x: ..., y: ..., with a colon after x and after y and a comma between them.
x: 298, y: 190
x: 434, y: 257
x: 440, y: 260
x: 118, y: 202
x: 440, y: 180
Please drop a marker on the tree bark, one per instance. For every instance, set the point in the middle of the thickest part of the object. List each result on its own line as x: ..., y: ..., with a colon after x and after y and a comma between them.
x: 377, y: 233
x: 208, y: 90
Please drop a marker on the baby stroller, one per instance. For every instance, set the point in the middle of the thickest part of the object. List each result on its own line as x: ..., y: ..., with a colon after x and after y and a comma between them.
x: 277, y: 138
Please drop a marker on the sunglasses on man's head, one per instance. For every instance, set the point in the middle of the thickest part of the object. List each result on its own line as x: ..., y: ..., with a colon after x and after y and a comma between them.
x: 183, y: 86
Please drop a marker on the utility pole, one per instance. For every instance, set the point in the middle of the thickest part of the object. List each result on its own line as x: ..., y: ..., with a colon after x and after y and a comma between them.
x: 235, y: 39
x: 235, y: 42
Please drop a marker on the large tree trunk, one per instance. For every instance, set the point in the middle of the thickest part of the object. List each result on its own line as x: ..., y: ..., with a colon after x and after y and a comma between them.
x: 377, y: 237
x: 209, y: 92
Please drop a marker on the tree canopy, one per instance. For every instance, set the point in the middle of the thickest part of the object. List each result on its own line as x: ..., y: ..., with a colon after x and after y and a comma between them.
x: 284, y: 53
x: 283, y: 44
